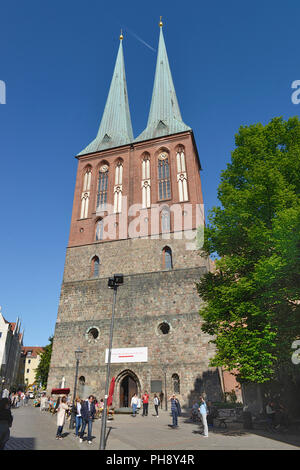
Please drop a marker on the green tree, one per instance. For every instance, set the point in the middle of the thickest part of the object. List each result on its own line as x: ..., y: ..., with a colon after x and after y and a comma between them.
x: 42, y: 371
x: 252, y: 298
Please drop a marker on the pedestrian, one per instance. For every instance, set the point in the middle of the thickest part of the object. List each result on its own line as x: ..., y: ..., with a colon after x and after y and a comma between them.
x: 26, y: 399
x: 156, y: 404
x: 145, y: 401
x: 134, y: 404
x: 44, y: 402
x: 175, y: 410
x: 203, y: 415
x: 6, y: 420
x: 161, y: 397
x: 88, y: 411
x: 61, y: 408
x: 78, y: 417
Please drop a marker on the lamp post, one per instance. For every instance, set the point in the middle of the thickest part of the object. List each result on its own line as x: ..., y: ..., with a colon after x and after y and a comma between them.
x: 78, y: 353
x: 113, y: 283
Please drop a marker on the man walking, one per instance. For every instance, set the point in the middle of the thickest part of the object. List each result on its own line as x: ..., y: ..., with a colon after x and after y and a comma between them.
x: 175, y: 410
x: 88, y: 411
x: 145, y: 400
x: 203, y: 414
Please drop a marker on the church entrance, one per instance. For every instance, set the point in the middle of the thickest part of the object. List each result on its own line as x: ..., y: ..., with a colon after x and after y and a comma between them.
x: 128, y: 387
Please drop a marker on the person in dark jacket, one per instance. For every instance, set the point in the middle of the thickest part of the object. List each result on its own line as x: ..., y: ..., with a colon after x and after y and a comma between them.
x: 88, y: 412
x: 6, y: 420
x: 175, y: 410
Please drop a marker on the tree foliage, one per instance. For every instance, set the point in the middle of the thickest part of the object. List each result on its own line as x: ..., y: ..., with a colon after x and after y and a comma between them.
x: 42, y: 371
x: 252, y: 299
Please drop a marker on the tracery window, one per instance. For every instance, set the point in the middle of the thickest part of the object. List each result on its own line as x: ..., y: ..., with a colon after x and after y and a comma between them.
x: 102, y: 187
x: 164, y: 184
x: 95, y: 266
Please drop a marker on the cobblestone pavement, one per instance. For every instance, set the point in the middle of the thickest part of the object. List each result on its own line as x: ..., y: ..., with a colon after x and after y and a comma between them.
x: 35, y: 430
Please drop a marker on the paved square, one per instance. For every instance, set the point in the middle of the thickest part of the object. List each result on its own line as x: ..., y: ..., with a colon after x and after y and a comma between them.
x: 36, y: 430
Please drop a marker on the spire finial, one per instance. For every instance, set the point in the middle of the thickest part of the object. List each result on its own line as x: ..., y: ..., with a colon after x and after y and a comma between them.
x: 160, y: 22
x: 121, y: 35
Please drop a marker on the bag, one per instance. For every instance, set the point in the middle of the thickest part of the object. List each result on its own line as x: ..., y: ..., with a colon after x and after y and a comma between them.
x: 158, y: 402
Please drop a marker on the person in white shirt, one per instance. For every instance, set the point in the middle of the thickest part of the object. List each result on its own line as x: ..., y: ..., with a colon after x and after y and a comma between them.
x: 78, y: 417
x: 203, y: 414
x: 156, y: 404
x: 134, y: 404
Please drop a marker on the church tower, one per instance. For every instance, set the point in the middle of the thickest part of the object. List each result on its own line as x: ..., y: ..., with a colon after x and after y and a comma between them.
x: 137, y: 206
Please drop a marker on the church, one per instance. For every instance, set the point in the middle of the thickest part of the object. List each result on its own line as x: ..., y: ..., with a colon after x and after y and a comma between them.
x: 137, y: 210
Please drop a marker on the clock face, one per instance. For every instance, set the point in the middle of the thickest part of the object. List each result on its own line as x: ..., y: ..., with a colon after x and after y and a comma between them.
x: 163, y: 156
x: 104, y: 169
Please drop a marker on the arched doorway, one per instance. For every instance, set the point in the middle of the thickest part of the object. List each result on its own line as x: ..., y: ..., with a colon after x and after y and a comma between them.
x: 129, y: 385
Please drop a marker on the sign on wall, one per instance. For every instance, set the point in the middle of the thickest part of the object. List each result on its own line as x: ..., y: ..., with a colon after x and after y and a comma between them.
x: 127, y: 355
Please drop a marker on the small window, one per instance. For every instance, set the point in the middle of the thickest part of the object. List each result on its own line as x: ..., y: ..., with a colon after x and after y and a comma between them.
x: 27, y: 371
x: 167, y: 258
x: 164, y: 328
x: 176, y: 383
x: 95, y: 266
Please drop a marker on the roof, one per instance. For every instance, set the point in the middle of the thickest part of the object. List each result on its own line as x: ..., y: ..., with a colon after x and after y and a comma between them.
x: 115, y: 127
x: 35, y: 350
x: 164, y: 116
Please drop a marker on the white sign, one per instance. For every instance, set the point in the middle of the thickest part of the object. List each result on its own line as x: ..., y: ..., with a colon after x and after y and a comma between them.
x: 127, y: 355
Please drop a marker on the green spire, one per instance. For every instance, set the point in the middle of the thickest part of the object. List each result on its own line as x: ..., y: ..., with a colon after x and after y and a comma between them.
x: 164, y: 117
x: 115, y: 128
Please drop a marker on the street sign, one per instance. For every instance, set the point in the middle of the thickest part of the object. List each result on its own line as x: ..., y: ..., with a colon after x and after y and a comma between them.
x: 127, y: 355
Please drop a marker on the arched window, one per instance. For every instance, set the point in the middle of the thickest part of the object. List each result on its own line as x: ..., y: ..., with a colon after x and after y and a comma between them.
x: 118, y: 187
x: 95, y: 266
x: 167, y: 258
x: 99, y: 230
x: 85, y: 196
x: 102, y: 187
x: 176, y: 383
x: 164, y: 185
x: 165, y: 220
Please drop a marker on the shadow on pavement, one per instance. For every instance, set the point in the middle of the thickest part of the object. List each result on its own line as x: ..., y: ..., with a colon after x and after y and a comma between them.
x: 20, y: 443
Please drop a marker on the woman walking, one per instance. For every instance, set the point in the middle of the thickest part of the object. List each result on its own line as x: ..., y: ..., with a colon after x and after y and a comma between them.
x: 156, y: 404
x: 61, y: 408
x: 134, y: 404
x: 78, y: 417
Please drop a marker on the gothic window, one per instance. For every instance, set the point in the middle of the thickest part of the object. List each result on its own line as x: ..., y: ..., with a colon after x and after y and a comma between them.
x: 146, y: 197
x: 118, y: 187
x: 99, y: 230
x: 85, y: 196
x: 95, y: 266
x: 102, y: 187
x: 165, y: 220
x: 181, y: 175
x: 164, y: 184
x: 176, y: 383
x: 167, y: 258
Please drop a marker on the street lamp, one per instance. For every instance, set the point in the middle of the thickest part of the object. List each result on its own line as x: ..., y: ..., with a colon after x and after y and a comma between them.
x: 78, y: 353
x: 113, y: 283
x: 166, y: 398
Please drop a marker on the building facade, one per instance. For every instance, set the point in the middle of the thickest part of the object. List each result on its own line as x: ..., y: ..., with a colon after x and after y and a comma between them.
x: 137, y: 207
x: 30, y: 359
x: 11, y: 341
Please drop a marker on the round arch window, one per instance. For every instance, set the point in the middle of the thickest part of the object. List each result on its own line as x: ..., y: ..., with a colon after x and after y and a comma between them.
x: 92, y: 334
x: 164, y: 328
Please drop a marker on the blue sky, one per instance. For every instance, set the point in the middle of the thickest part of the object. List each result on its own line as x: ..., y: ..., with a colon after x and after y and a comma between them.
x: 232, y: 63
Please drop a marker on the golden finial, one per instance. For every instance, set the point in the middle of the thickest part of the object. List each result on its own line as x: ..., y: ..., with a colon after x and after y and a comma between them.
x: 160, y: 23
x: 121, y: 36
